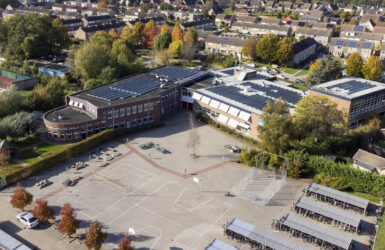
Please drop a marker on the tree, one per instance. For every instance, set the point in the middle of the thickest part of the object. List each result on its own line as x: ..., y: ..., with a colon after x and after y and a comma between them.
x: 150, y: 37
x: 275, y: 128
x: 95, y: 236
x: 5, y: 157
x: 125, y: 244
x: 191, y: 36
x: 68, y: 223
x: 10, y: 102
x: 122, y: 57
x: 285, y: 50
x: 165, y: 28
x: 188, y: 50
x: 162, y: 57
x: 112, y: 34
x: 91, y: 83
x: 176, y: 48
x: 194, y: 139
x: 373, y: 68
x: 267, y: 47
x: 133, y: 34
x: 102, y: 5
x: 177, y: 33
x: 249, y: 48
x: 26, y: 69
x: 17, y: 125
x: 91, y: 58
x: 327, y: 70
x: 20, y: 197
x: 41, y: 210
x: 354, y: 65
x: 228, y: 62
x: 210, y: 4
x: 162, y: 41
x: 318, y: 123
x: 232, y: 5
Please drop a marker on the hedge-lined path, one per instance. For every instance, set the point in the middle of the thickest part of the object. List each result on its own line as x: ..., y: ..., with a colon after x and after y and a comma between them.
x: 16, y: 158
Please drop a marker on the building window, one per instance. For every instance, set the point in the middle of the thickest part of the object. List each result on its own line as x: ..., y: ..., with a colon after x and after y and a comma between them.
x: 122, y: 112
x: 134, y: 123
x: 145, y: 107
x: 128, y: 111
x: 96, y: 130
x: 90, y: 132
x: 260, y: 122
x: 116, y: 125
x: 62, y: 137
x: 128, y: 124
x: 151, y: 106
x: 140, y: 108
x: 116, y: 113
x: 69, y: 136
x: 150, y: 118
x: 134, y: 109
x: 103, y: 125
x: 76, y: 134
x: 109, y: 115
x: 139, y: 120
x: 122, y: 124
x: 145, y: 119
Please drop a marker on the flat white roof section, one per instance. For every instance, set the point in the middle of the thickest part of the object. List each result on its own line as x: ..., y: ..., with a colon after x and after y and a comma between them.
x: 263, y: 237
x: 338, y: 195
x: 8, y: 242
x: 205, y: 100
x: 334, y: 213
x: 197, y: 96
x: 214, y: 104
x: 223, y: 107
x: 220, y: 245
x: 233, y: 111
x: 232, y: 123
x: 332, y: 237
x: 244, y: 116
x: 223, y: 118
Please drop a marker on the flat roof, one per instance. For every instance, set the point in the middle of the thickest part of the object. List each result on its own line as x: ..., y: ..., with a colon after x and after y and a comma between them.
x: 219, y: 245
x: 263, y: 237
x: 8, y: 242
x: 252, y: 95
x: 338, y: 195
x: 315, y: 230
x: 329, y: 211
x: 349, y: 88
x: 139, y: 87
x: 68, y: 115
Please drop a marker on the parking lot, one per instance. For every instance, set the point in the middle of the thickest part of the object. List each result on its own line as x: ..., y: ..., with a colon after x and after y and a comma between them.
x: 154, y: 193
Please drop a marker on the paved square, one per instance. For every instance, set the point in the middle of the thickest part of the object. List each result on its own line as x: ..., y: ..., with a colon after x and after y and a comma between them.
x: 151, y: 193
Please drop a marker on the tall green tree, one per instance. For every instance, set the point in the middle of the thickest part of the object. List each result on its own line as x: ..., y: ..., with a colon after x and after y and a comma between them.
x: 17, y: 125
x: 373, y: 68
x: 354, y: 65
x: 162, y: 41
x: 249, y: 48
x: 318, y: 123
x: 285, y: 50
x: 276, y: 132
x: 191, y: 36
x: 327, y: 70
x: 267, y: 47
x: 10, y: 102
x: 232, y: 5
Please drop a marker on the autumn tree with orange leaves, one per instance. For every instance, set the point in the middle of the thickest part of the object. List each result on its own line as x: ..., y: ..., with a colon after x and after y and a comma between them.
x: 21, y: 198
x: 42, y: 211
x: 95, y: 236
x: 125, y: 244
x: 177, y: 33
x: 68, y: 223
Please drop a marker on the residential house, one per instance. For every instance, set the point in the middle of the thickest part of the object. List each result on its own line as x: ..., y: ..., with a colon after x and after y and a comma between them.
x: 269, y: 21
x: 224, y: 45
x: 246, y: 19
x: 258, y: 29
x: 83, y: 33
x: 159, y: 20
x: 347, y: 7
x: 322, y: 26
x: 369, y: 21
x: 295, y: 24
x: 239, y: 4
x: 96, y: 20
x: 72, y: 24
x: 369, y: 162
x: 344, y: 47
x: 201, y: 24
x: 321, y: 36
x: 312, y: 16
x: 242, y: 12
x: 304, y: 50
x: 222, y: 19
x: 58, y: 7
x: 376, y: 38
x: 268, y: 6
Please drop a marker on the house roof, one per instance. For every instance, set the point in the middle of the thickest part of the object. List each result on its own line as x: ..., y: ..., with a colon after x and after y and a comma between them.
x: 352, y: 43
x: 304, y: 44
x: 322, y: 25
x: 97, y: 18
x: 4, y: 144
x: 270, y: 20
x: 261, y: 26
x: 246, y: 19
x: 225, y: 40
x: 313, y: 32
x: 364, y: 36
x: 369, y: 160
x: 223, y: 17
x: 372, y: 17
x: 103, y: 27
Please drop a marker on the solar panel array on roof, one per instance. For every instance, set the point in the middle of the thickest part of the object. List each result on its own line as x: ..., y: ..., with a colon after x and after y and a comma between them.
x: 366, y: 45
x: 263, y: 237
x: 320, y: 232
x: 219, y: 245
x: 358, y: 28
x: 257, y: 95
x: 352, y: 44
x: 352, y: 86
x: 338, y: 195
x: 173, y: 73
x: 329, y: 211
x: 133, y: 87
x: 339, y: 42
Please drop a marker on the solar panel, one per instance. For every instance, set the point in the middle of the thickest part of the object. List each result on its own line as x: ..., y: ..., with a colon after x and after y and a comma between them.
x: 352, y: 86
x: 339, y: 42
x: 366, y: 45
x: 358, y: 28
x: 173, y: 73
x: 352, y: 44
x: 224, y: 39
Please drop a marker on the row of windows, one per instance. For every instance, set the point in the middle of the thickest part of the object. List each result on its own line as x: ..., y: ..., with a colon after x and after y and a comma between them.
x: 370, y: 103
x: 139, y: 121
x: 122, y: 112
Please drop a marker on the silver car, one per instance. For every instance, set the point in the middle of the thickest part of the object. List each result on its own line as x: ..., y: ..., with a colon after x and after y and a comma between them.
x: 27, y: 219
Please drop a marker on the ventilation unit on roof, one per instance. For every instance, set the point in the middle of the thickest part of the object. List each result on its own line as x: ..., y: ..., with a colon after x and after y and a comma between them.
x: 162, y: 85
x: 60, y: 117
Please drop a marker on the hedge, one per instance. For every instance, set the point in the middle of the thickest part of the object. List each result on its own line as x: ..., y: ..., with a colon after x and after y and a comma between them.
x: 58, y: 157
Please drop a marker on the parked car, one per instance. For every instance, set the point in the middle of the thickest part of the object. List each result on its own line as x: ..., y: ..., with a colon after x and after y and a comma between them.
x: 282, y: 77
x: 299, y: 81
x: 27, y: 219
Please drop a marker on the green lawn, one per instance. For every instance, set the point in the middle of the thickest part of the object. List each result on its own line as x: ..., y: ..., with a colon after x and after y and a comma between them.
x: 69, y: 92
x: 24, y: 92
x: 4, y: 170
x: 380, y: 143
x: 289, y: 70
x: 30, y: 155
x: 26, y: 142
x: 229, y: 12
x: 303, y: 72
x: 299, y: 86
x: 369, y: 197
x: 380, y: 239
